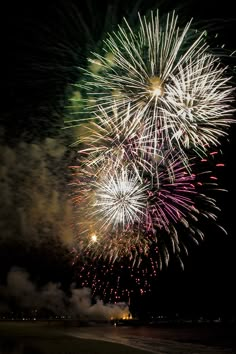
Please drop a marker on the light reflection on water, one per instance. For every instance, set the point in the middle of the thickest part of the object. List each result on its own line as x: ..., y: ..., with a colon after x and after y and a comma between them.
x: 156, y: 340
x: 159, y: 340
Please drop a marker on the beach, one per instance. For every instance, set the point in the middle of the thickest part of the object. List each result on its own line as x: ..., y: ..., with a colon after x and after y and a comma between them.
x: 42, y: 338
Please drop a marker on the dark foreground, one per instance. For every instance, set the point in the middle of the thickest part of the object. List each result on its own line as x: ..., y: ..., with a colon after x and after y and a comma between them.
x: 47, y: 338
x: 41, y: 338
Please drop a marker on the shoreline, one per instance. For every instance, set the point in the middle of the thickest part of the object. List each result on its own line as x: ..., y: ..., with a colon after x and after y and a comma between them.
x: 101, y: 338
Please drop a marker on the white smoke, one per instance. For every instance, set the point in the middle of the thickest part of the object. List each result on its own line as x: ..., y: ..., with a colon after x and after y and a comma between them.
x: 78, y: 304
x: 34, y: 198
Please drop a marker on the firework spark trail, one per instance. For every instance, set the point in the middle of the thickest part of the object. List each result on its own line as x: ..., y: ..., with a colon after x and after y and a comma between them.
x: 198, y: 102
x: 118, y: 141
x: 110, y: 137
x: 128, y: 217
x: 120, y: 198
x: 171, y: 82
x: 158, y: 102
x: 143, y: 265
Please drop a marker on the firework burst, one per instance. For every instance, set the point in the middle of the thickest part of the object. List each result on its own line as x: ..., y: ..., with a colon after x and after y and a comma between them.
x: 198, y: 103
x: 116, y: 140
x: 119, y: 216
x: 166, y: 75
x: 120, y: 199
x: 157, y: 103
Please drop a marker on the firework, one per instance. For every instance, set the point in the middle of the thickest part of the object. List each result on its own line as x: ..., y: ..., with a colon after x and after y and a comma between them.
x: 110, y: 207
x: 120, y: 216
x: 119, y: 140
x: 112, y: 137
x: 174, y: 86
x: 119, y: 266
x: 158, y: 101
x: 198, y: 103
x: 120, y: 198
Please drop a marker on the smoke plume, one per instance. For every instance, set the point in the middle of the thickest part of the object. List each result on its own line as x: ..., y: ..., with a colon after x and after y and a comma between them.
x: 77, y: 303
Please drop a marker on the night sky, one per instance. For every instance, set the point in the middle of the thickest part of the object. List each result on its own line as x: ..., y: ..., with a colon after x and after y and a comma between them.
x: 41, y: 46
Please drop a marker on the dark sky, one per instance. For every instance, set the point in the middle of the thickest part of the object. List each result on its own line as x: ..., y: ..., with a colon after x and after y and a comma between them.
x: 40, y: 46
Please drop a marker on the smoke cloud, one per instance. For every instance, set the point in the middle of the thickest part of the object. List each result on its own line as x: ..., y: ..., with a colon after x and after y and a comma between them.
x: 34, y: 200
x: 20, y: 290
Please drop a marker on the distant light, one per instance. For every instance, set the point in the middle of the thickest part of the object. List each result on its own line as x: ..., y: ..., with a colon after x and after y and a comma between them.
x: 94, y: 238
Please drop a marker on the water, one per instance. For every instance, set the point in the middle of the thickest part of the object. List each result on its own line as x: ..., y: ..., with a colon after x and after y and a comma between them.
x: 32, y: 338
x: 215, y: 339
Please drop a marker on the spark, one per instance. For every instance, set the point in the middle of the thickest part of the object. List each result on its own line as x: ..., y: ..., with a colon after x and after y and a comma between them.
x: 120, y: 198
x: 130, y: 217
x: 94, y: 238
x: 155, y: 106
x: 169, y: 79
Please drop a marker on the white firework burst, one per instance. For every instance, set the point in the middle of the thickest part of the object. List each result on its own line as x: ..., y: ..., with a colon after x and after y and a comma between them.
x: 154, y: 69
x: 158, y: 93
x: 198, y: 103
x: 116, y: 140
x: 120, y: 199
